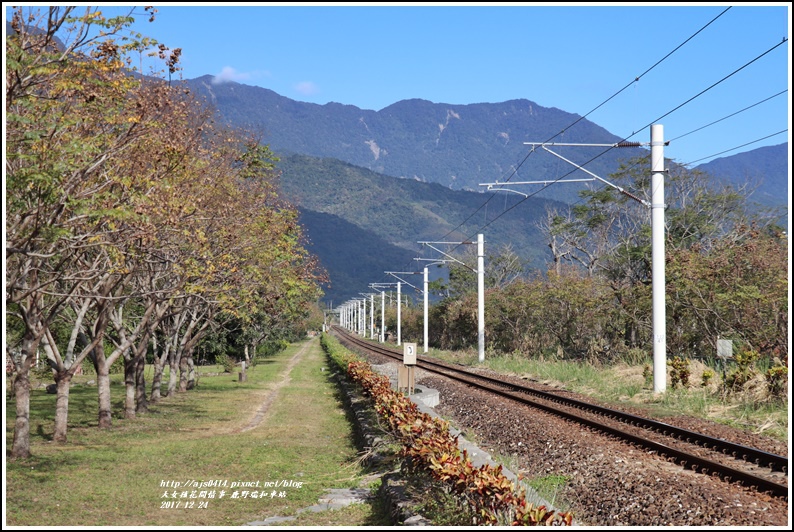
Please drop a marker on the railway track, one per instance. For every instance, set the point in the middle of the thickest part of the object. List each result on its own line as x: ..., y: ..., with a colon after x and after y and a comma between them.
x: 753, y: 468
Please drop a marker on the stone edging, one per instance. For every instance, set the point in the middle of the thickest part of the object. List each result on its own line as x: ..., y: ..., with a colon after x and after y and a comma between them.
x: 392, y: 490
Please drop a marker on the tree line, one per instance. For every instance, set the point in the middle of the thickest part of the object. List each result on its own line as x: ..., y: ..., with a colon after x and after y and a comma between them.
x: 135, y: 225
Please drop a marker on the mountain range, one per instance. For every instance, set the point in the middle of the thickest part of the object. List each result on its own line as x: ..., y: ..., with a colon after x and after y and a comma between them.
x: 370, y: 185
x: 361, y: 223
x: 458, y: 146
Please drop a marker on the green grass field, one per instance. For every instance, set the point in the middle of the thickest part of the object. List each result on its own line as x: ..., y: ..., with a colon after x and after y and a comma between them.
x: 127, y: 475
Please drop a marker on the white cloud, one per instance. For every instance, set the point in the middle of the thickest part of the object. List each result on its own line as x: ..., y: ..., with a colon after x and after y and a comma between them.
x: 307, y: 88
x: 230, y: 74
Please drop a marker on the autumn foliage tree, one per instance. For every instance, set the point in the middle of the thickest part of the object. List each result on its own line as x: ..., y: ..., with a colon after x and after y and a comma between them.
x: 65, y: 119
x: 130, y: 216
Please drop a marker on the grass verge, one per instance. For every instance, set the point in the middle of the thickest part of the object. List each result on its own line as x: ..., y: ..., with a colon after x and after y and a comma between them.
x: 625, y: 383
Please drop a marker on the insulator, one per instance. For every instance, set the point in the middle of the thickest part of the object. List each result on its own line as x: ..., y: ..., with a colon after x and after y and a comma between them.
x: 625, y: 144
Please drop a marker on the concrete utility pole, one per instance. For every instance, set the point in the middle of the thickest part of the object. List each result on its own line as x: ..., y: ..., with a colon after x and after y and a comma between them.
x: 371, y: 311
x: 382, y: 317
x: 657, y: 206
x: 425, y: 313
x: 657, y: 259
x: 399, y: 297
x: 427, y: 292
x: 480, y: 287
x: 382, y: 287
x: 480, y: 298
x: 399, y: 306
x: 372, y: 316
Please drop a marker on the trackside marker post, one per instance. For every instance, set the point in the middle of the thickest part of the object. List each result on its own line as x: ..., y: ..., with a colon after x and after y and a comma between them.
x: 405, y: 375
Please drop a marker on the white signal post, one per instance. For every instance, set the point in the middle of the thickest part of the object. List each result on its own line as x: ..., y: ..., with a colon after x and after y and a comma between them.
x: 657, y: 206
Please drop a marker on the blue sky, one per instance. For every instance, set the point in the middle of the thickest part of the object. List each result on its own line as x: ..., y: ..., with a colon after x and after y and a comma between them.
x: 569, y: 56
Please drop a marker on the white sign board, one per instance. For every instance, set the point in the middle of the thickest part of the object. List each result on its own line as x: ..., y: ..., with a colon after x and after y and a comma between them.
x: 724, y: 348
x: 409, y: 354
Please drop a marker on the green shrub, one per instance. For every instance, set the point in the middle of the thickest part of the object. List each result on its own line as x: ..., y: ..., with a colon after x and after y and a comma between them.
x: 776, y: 380
x: 744, y: 371
x: 227, y: 362
x: 680, y: 372
x: 706, y: 377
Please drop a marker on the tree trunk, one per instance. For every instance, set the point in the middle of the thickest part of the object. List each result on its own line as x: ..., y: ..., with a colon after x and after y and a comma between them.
x: 173, y: 374
x: 21, y: 445
x: 103, y: 392
x: 157, y: 381
x: 183, y: 371
x: 62, y: 379
x: 191, y: 373
x: 129, y: 387
x: 140, y: 385
x: 159, y: 365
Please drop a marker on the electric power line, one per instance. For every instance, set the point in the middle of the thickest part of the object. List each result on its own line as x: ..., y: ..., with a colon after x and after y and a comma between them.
x: 577, y: 121
x: 737, y: 147
x: 728, y: 116
x: 529, y: 153
x: 648, y: 125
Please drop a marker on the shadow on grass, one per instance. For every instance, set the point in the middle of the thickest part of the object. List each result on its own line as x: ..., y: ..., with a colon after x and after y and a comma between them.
x: 380, y: 514
x: 39, y: 467
x: 84, y: 413
x: 40, y: 433
x: 336, y: 378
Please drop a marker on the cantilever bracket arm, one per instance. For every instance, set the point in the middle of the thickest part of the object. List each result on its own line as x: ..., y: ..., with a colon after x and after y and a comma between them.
x: 434, y: 262
x: 491, y: 185
x: 578, y: 167
x: 451, y: 258
x: 404, y: 281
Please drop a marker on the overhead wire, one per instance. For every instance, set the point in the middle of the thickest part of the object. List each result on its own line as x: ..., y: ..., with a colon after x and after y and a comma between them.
x: 629, y: 84
x: 644, y: 127
x: 637, y: 78
x: 785, y: 40
x: 736, y: 147
x: 729, y: 116
x: 714, y: 123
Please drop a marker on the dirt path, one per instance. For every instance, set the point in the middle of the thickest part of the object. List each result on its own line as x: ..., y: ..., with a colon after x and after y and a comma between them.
x: 283, y: 380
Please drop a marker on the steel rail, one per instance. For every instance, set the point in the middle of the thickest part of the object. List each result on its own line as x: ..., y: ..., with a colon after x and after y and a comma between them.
x: 681, y: 457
